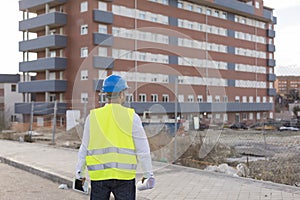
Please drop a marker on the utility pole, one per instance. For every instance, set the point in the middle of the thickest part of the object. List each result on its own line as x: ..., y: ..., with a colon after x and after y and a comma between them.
x: 175, y: 118
x: 54, y: 123
x: 31, y: 121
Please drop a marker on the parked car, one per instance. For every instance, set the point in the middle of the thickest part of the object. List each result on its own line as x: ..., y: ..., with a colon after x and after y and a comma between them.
x: 238, y: 126
x: 288, y: 128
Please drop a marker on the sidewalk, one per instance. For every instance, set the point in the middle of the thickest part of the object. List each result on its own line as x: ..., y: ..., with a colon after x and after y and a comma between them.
x: 173, y: 182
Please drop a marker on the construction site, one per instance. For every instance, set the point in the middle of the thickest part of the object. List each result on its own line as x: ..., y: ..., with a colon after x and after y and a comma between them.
x: 268, y: 155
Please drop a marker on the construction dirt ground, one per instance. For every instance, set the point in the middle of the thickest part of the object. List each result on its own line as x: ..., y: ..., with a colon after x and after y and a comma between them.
x: 270, y: 155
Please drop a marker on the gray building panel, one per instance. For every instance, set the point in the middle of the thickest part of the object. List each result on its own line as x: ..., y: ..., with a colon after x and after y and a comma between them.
x: 38, y: 4
x: 173, y: 40
x: 230, y: 16
x: 173, y: 60
x: 40, y: 108
x: 271, y: 33
x: 9, y: 78
x: 236, y: 5
x: 230, y: 33
x: 231, y: 50
x: 231, y: 83
x: 271, y: 91
x: 173, y: 21
x: 103, y: 16
x: 268, y: 14
x: 40, y: 43
x: 43, y: 64
x: 103, y: 39
x: 173, y: 3
x: 274, y: 20
x: 271, y: 47
x: 231, y: 66
x: 101, y: 62
x: 173, y: 79
x: 271, y: 62
x: 271, y: 77
x: 54, y: 19
x: 97, y: 85
x: 43, y: 86
x: 169, y: 107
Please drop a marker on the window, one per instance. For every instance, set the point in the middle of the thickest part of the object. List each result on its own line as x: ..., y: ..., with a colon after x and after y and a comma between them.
x: 52, y: 76
x: 142, y: 98
x: 217, y: 99
x: 216, y: 13
x: 179, y: 5
x: 102, y: 98
x: 84, y: 97
x: 200, y: 98
x: 102, y: 51
x: 190, y: 98
x: 102, y: 6
x: 181, y: 98
x: 84, y: 29
x: 237, y: 99
x: 244, y: 99
x: 199, y: 9
x: 251, y: 99
x: 257, y: 116
x: 52, y: 54
x: 244, y: 116
x: 84, y: 74
x: 251, y: 116
x: 209, y: 98
x: 84, y: 52
x: 102, y: 28
x: 257, y: 99
x: 257, y: 5
x: 52, y: 97
x: 166, y: 2
x: 13, y: 88
x: 154, y: 98
x: 208, y: 12
x: 142, y: 15
x: 189, y: 7
x: 165, y: 98
x: 264, y: 99
x: 84, y: 6
x: 129, y: 97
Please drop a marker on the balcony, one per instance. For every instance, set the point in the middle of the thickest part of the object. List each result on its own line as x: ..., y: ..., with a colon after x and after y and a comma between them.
x: 271, y: 47
x: 271, y: 62
x: 103, y: 39
x: 34, y: 5
x: 53, y: 20
x: 39, y: 44
x: 43, y: 64
x: 103, y: 17
x: 101, y: 62
x: 169, y: 107
x: 43, y: 86
x: 271, y: 33
x: 40, y: 108
x: 271, y: 77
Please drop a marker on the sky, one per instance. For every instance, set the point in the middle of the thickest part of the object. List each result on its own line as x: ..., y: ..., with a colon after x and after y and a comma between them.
x: 287, y: 38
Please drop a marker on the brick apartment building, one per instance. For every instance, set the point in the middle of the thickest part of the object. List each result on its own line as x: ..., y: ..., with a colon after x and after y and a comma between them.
x: 8, y: 95
x: 215, y: 56
x: 285, y: 84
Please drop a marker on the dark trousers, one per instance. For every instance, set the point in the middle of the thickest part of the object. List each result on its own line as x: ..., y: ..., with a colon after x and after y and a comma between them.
x: 121, y: 189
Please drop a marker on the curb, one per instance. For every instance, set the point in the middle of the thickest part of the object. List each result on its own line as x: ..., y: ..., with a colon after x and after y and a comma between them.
x: 39, y: 172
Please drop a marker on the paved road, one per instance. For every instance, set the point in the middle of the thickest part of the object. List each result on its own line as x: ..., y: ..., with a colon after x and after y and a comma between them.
x: 17, y: 184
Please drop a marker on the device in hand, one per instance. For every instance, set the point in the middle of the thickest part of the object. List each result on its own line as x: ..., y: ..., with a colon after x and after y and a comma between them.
x: 81, y: 185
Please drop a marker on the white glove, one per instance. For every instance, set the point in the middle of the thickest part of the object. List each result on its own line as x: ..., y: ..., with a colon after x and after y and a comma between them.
x: 146, y: 183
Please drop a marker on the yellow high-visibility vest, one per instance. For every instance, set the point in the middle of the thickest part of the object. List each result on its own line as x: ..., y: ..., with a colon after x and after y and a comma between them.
x: 111, y: 150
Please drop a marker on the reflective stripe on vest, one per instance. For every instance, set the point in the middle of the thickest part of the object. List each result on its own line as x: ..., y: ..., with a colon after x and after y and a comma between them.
x: 112, y: 165
x: 111, y: 149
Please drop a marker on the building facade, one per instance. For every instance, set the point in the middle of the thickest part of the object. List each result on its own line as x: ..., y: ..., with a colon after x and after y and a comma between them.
x: 215, y: 58
x: 288, y: 84
x: 8, y: 96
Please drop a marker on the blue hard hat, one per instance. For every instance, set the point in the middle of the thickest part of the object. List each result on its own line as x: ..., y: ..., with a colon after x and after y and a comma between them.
x: 114, y: 83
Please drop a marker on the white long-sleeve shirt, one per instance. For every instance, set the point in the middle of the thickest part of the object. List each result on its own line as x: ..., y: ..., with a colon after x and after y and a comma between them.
x: 140, y: 142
